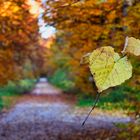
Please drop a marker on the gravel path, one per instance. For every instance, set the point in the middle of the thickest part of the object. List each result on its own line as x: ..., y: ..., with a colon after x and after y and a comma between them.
x: 55, y: 118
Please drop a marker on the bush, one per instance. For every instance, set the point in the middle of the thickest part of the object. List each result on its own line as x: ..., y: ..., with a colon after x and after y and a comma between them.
x: 61, y: 80
x: 26, y: 85
x: 14, y: 89
x: 8, y: 89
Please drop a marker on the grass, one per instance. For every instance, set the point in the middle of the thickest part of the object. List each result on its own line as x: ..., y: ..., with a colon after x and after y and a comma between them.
x: 12, y: 90
x: 119, y: 98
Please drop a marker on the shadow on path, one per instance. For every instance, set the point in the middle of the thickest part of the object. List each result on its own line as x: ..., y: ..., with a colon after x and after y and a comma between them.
x: 48, y: 114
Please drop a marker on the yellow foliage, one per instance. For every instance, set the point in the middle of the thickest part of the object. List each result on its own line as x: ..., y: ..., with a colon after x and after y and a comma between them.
x: 108, y: 68
x: 132, y: 46
x: 87, y: 25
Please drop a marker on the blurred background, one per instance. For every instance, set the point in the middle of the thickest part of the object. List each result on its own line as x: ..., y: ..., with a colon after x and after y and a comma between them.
x: 48, y: 38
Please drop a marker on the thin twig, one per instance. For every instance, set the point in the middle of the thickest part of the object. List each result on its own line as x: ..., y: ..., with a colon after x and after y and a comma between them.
x: 94, y: 105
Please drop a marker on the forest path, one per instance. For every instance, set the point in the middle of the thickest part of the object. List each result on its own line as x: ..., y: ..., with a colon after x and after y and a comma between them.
x: 48, y: 114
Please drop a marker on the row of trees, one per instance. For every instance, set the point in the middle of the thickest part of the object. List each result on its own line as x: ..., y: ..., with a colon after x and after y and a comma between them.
x: 20, y: 51
x: 83, y: 25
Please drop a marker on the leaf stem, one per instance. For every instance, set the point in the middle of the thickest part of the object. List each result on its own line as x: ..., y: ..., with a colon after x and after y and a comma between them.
x: 94, y: 105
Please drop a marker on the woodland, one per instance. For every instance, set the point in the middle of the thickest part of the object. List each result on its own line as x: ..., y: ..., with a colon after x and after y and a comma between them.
x: 81, y: 26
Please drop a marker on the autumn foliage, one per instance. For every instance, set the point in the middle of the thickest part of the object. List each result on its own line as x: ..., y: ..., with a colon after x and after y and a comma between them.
x: 83, y: 26
x: 18, y: 39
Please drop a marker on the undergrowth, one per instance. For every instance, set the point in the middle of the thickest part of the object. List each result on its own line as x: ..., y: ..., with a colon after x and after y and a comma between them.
x: 9, y: 92
x: 120, y: 97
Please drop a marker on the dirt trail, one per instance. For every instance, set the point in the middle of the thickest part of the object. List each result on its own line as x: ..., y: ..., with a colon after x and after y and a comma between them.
x: 48, y: 114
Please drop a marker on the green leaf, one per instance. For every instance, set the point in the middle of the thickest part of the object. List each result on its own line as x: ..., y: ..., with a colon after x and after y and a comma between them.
x: 108, y: 68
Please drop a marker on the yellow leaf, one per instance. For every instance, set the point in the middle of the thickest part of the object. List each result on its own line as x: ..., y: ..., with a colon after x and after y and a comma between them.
x: 108, y: 68
x: 132, y: 46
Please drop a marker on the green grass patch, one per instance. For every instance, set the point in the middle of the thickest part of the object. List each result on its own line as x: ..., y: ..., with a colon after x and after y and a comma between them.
x: 12, y: 90
x: 15, y: 88
x: 119, y: 98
